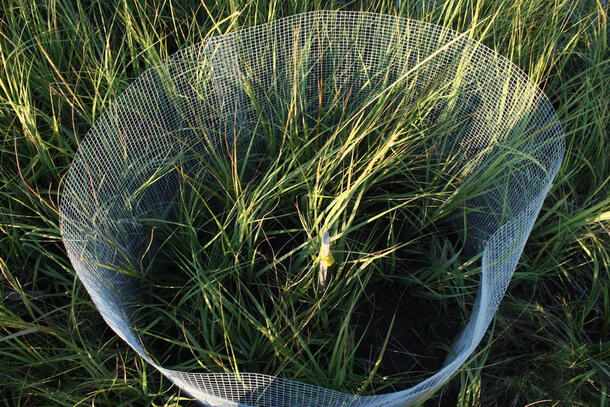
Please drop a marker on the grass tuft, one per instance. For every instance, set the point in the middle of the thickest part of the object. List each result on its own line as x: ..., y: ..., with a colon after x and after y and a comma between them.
x: 62, y: 64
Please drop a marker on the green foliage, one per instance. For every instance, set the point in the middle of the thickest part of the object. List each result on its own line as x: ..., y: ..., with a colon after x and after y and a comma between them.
x: 64, y: 62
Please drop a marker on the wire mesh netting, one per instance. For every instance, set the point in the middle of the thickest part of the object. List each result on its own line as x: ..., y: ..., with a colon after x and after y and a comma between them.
x: 208, y: 104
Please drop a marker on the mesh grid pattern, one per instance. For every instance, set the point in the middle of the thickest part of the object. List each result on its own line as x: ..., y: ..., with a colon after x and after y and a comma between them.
x: 506, y: 123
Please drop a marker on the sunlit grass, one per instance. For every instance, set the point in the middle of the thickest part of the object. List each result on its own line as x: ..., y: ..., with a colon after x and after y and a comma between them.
x: 64, y: 62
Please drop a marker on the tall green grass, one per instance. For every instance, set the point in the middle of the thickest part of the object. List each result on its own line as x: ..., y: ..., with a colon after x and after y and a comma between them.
x: 233, y: 274
x: 63, y: 62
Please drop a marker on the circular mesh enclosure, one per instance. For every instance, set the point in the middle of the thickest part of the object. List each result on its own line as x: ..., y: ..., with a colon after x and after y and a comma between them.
x: 227, y: 100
